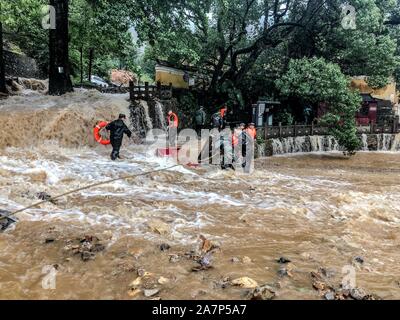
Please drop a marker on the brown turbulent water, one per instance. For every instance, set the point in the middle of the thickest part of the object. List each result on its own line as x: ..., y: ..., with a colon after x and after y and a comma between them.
x: 319, y: 210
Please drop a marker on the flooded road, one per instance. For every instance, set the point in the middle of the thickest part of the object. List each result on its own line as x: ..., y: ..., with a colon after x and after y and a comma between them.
x: 318, y: 210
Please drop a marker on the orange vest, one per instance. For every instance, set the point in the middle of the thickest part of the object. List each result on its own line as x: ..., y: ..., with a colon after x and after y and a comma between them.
x: 251, y: 132
x: 173, y: 120
x: 222, y: 112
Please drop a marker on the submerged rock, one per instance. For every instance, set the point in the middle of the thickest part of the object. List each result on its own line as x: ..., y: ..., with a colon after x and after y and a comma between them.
x: 359, y: 259
x: 150, y: 292
x: 286, y: 270
x: 160, y: 227
x: 358, y: 294
x: 165, y: 247
x: 245, y: 282
x: 246, y: 260
x: 206, y: 245
x: 163, y: 280
x: 235, y: 260
x: 5, y: 222
x: 265, y: 292
x: 283, y: 260
x: 87, y: 247
x: 330, y: 295
x: 45, y: 197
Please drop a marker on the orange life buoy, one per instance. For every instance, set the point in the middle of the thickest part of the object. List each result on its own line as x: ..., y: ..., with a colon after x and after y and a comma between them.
x: 97, y: 135
x: 173, y: 120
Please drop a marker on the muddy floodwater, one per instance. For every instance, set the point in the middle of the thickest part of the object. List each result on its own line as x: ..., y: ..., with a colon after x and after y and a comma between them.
x: 317, y: 210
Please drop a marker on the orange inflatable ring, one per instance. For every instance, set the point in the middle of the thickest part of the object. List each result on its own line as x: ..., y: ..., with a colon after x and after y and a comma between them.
x: 97, y: 135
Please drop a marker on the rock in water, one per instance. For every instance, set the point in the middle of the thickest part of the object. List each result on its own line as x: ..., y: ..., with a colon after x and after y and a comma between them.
x: 157, y: 226
x: 359, y: 259
x: 246, y: 260
x: 358, y: 294
x: 5, y: 222
x: 245, y: 282
x: 163, y: 280
x: 329, y: 295
x: 165, y: 247
x: 283, y: 260
x: 264, y: 292
x: 150, y: 292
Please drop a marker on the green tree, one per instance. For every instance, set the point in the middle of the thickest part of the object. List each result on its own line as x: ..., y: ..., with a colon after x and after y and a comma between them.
x: 318, y: 81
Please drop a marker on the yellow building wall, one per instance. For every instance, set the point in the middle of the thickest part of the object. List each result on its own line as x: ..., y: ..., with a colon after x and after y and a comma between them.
x: 167, y: 75
x: 388, y: 92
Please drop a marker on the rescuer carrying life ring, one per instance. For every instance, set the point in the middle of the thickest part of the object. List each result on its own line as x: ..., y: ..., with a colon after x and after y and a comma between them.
x: 117, y: 130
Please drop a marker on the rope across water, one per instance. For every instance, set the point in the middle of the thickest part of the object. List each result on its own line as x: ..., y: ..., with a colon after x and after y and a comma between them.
x: 88, y: 187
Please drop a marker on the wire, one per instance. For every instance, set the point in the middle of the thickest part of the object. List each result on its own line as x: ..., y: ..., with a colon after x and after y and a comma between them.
x: 88, y: 187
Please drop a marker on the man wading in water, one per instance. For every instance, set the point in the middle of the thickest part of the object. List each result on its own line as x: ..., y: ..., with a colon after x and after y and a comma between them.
x: 117, y: 129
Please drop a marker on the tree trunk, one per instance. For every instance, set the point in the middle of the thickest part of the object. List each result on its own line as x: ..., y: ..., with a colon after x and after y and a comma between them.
x: 81, y: 63
x: 59, y: 70
x: 91, y: 53
x: 2, y: 68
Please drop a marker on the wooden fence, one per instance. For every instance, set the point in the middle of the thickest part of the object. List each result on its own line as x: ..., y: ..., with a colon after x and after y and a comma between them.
x: 148, y: 92
x: 270, y: 132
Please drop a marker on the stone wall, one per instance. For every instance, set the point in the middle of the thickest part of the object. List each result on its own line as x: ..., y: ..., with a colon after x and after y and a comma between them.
x: 18, y: 65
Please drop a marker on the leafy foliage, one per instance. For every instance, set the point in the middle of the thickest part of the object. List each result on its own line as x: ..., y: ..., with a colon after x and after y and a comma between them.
x: 318, y: 81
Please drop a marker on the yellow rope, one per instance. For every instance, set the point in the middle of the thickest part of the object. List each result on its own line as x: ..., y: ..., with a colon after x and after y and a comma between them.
x: 88, y: 187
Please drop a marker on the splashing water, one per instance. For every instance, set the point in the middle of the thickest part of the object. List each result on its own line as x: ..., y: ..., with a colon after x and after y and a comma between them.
x: 319, y: 210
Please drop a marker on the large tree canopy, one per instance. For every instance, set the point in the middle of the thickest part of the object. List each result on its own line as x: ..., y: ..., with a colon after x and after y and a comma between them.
x: 316, y: 81
x: 234, y: 40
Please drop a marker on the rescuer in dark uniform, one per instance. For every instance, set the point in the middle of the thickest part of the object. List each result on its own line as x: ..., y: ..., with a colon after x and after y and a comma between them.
x: 117, y: 129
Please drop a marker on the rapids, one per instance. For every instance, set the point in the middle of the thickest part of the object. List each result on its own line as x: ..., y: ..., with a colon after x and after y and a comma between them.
x: 319, y: 210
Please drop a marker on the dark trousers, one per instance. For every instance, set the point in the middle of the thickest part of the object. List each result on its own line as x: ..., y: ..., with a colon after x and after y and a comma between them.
x: 199, y: 127
x: 115, y: 151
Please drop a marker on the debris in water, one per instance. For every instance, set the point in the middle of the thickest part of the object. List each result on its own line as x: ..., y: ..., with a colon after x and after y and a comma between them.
x: 5, y: 221
x: 329, y: 273
x: 135, y: 283
x: 265, y: 292
x: 283, y: 260
x: 223, y: 283
x: 174, y: 258
x: 163, y: 280
x: 206, y: 245
x: 134, y: 292
x: 160, y: 227
x: 87, y: 247
x: 205, y: 263
x: 329, y: 292
x: 151, y: 292
x: 45, y: 197
x: 286, y: 270
x: 235, y: 260
x: 165, y: 247
x: 359, y: 259
x: 329, y: 295
x: 246, y: 260
x: 245, y: 282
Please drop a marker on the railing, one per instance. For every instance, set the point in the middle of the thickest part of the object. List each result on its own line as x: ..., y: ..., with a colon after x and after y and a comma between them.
x: 148, y: 92
x: 270, y: 132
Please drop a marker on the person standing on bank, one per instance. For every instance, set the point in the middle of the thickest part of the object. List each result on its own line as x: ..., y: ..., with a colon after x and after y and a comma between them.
x: 117, y: 130
x: 200, y: 120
